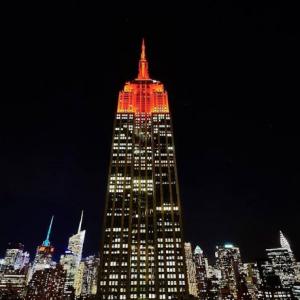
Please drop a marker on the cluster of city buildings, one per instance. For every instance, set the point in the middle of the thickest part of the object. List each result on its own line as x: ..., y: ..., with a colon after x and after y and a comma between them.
x: 275, y: 277
x: 72, y: 277
x: 143, y: 254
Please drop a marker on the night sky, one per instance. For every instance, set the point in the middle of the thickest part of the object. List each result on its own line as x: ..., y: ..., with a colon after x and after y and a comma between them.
x: 232, y: 74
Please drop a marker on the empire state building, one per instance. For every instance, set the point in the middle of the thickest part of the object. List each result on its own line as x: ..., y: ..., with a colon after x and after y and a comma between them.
x: 142, y: 248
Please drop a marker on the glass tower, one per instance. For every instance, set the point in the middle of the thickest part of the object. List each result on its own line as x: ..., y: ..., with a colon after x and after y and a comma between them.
x: 142, y: 250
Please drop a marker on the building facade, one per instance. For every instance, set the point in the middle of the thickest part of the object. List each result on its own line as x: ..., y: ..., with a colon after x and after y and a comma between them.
x: 228, y: 261
x: 13, y: 284
x: 86, y: 278
x: 71, y: 259
x: 15, y: 256
x: 191, y: 270
x: 201, y: 263
x: 44, y: 254
x: 142, y: 251
x: 48, y: 284
x: 282, y: 264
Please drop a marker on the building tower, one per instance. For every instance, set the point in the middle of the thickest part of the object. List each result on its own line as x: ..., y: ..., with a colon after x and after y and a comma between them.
x: 15, y: 257
x: 191, y: 270
x: 72, y: 257
x: 44, y: 253
x: 47, y: 284
x: 228, y: 261
x: 142, y: 248
x: 201, y: 272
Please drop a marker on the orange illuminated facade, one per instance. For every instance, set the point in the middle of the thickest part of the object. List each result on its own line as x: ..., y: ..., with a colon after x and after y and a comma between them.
x: 143, y: 95
x: 142, y: 250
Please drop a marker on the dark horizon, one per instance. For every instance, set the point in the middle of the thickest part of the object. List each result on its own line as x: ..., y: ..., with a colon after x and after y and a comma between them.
x: 232, y: 88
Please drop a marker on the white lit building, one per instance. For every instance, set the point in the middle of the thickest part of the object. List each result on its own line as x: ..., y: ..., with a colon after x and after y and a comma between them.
x: 70, y: 261
x: 89, y: 278
x: 228, y: 261
x: 282, y: 264
x: 16, y: 257
x: 191, y: 270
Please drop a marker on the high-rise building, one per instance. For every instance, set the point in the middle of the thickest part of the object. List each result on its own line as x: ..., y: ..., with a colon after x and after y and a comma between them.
x: 271, y: 287
x: 86, y: 278
x: 76, y: 242
x: 48, y: 284
x: 282, y: 264
x: 15, y: 256
x: 228, y: 261
x: 72, y: 257
x: 251, y: 277
x: 191, y: 270
x: 201, y: 263
x: 13, y: 283
x: 78, y: 280
x: 142, y: 251
x: 44, y: 253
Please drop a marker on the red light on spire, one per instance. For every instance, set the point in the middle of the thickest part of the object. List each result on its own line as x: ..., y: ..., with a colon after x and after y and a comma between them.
x: 143, y: 64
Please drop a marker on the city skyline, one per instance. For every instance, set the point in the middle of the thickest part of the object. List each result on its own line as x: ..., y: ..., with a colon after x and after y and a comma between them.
x: 55, y: 147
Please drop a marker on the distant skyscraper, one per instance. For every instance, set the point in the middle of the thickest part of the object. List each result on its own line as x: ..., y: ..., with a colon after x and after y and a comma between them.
x: 271, y: 286
x: 191, y: 270
x: 228, y: 261
x: 15, y: 256
x: 86, y: 278
x: 72, y: 257
x: 252, y: 279
x: 13, y: 284
x: 48, y: 284
x: 44, y: 253
x: 282, y: 264
x: 76, y: 242
x: 78, y: 280
x: 284, y: 242
x: 142, y: 252
x: 201, y: 272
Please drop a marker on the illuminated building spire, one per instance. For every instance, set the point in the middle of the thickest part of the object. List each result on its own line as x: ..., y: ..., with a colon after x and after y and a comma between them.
x: 80, y: 223
x: 284, y: 242
x: 46, y: 242
x: 143, y: 64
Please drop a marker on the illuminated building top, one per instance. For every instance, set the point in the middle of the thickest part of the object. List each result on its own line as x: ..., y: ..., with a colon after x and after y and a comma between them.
x: 143, y: 95
x: 284, y: 242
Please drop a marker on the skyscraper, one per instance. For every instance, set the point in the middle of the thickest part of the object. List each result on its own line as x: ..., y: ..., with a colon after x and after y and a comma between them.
x: 86, y: 277
x: 44, y: 253
x: 142, y: 250
x: 15, y: 256
x: 228, y: 261
x: 13, y: 284
x: 282, y: 264
x: 76, y: 242
x: 72, y: 257
x: 201, y: 272
x: 48, y: 284
x: 191, y: 270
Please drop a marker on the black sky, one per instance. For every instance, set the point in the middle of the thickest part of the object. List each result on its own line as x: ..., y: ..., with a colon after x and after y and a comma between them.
x: 232, y: 74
